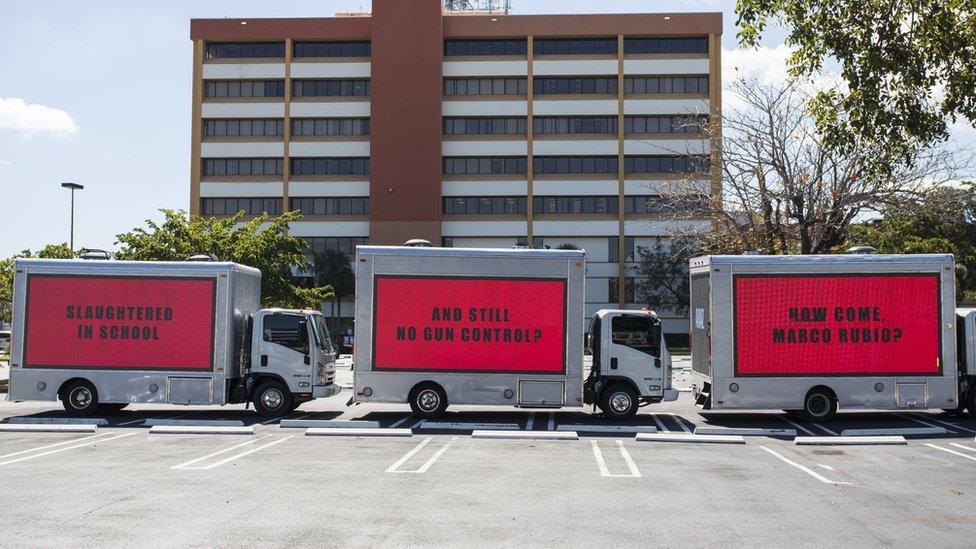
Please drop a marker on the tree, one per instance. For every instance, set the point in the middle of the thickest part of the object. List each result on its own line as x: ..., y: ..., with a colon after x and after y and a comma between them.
x: 332, y: 268
x: 261, y: 242
x: 51, y: 251
x: 909, y: 68
x: 662, y: 273
x: 786, y: 191
x: 567, y: 246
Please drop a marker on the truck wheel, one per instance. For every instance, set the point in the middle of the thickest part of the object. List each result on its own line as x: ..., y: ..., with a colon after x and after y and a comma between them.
x: 428, y: 401
x: 79, y: 398
x: 272, y: 399
x: 819, y: 406
x: 619, y: 401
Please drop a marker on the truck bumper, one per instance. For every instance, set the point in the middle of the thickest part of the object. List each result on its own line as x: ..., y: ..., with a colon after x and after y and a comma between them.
x: 670, y: 395
x: 322, y: 391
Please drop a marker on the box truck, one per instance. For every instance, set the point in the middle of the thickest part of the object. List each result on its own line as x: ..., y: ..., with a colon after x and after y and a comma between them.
x: 809, y: 334
x: 104, y: 334
x: 439, y: 326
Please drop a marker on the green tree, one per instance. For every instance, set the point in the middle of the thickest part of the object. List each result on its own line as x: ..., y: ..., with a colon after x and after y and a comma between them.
x: 909, y: 67
x: 332, y: 268
x: 51, y: 251
x: 662, y: 273
x: 261, y: 242
x: 567, y: 246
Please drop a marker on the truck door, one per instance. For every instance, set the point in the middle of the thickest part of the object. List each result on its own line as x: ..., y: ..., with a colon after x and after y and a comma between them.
x: 635, y: 352
x: 284, y: 350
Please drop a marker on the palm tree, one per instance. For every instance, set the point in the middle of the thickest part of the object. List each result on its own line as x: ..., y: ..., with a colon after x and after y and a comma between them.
x: 332, y: 267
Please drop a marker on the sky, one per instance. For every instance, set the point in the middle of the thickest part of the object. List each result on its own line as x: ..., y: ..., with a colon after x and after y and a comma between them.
x: 98, y: 93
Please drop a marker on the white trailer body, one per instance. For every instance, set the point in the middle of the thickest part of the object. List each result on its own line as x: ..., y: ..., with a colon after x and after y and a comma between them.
x: 797, y: 332
x: 493, y: 327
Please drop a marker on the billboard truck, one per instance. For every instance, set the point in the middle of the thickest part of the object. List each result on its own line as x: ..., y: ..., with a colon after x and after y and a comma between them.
x: 809, y: 334
x: 99, y: 335
x: 439, y: 326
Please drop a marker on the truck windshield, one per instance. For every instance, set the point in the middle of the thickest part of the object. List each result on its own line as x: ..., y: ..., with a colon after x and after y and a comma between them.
x: 322, y: 340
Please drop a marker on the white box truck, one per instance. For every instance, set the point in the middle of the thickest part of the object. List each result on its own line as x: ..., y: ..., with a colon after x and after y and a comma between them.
x: 809, y: 334
x: 103, y: 334
x: 439, y: 326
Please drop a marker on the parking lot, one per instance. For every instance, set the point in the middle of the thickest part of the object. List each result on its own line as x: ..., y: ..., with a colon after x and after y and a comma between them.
x: 441, y: 485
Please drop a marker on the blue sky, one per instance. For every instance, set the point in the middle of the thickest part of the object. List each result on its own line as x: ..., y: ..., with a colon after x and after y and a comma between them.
x: 98, y: 92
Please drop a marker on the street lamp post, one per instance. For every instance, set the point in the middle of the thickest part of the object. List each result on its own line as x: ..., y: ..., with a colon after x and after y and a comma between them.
x: 74, y: 187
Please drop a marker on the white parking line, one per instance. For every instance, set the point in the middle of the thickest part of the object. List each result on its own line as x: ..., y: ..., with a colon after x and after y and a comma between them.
x: 681, y: 421
x: 406, y: 457
x: 827, y: 467
x: 826, y: 430
x: 224, y: 451
x: 960, y: 454
x: 953, y: 425
x: 660, y: 424
x: 634, y: 472
x: 52, y: 445
x: 602, y: 463
x: 433, y: 458
x: 401, y: 421
x: 530, y: 423
x: 927, y: 424
x: 233, y: 457
x: 797, y: 425
x: 25, y: 458
x: 803, y: 468
x: 963, y: 447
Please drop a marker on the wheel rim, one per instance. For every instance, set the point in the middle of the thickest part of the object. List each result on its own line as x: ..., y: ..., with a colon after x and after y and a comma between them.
x: 272, y: 399
x: 620, y: 403
x: 818, y: 405
x: 428, y: 400
x: 80, y: 398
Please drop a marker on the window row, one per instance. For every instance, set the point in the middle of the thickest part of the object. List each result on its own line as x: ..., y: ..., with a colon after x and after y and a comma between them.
x: 485, y: 47
x: 574, y: 124
x: 665, y: 124
x: 574, y: 204
x: 231, y: 206
x: 330, y: 126
x: 332, y: 49
x: 575, y: 85
x: 472, y: 205
x: 659, y: 163
x: 469, y: 165
x: 613, y: 246
x: 237, y: 50
x: 485, y: 86
x: 666, y: 84
x: 485, y: 126
x: 242, y: 166
x: 574, y: 164
x: 666, y: 45
x: 662, y: 204
x: 330, y: 88
x: 330, y: 166
x: 245, y: 88
x: 243, y: 127
x: 574, y: 46
x: 346, y: 205
x: 344, y: 244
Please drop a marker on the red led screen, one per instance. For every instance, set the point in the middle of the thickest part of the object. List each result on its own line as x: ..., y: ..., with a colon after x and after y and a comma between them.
x: 469, y: 324
x: 112, y: 322
x: 837, y: 325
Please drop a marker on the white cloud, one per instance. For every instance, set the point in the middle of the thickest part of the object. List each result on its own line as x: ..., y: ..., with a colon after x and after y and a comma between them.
x: 765, y: 64
x: 4, y: 163
x: 31, y: 118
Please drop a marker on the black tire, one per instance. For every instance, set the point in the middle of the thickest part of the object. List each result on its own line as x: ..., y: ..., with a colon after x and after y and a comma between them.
x: 112, y: 408
x: 619, y: 401
x: 272, y: 399
x: 428, y: 401
x: 819, y: 406
x: 79, y: 398
x: 971, y: 401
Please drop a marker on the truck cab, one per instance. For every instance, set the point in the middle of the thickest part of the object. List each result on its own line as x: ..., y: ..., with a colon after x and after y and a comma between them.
x: 291, y: 360
x: 631, y: 363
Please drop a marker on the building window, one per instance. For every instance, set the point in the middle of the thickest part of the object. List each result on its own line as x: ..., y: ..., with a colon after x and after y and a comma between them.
x: 344, y: 244
x: 574, y: 164
x: 666, y: 84
x: 574, y: 46
x: 666, y: 45
x: 485, y: 47
x: 655, y: 163
x: 245, y: 88
x: 615, y: 293
x: 330, y: 166
x: 485, y: 86
x: 544, y: 85
x: 574, y: 124
x: 664, y: 124
x: 612, y: 245
x: 243, y: 127
x: 660, y: 204
x: 475, y: 165
x: 231, y: 206
x: 346, y: 205
x: 447, y: 242
x: 483, y: 205
x: 332, y: 49
x: 330, y: 87
x: 329, y: 126
x: 485, y: 126
x: 236, y: 50
x: 574, y: 204
x: 242, y: 166
x: 629, y: 249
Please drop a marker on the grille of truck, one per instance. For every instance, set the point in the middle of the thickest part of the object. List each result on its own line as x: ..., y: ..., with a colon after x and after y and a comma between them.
x: 704, y: 399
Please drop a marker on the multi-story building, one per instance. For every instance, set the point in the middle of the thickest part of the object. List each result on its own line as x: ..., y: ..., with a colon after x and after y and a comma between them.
x: 469, y: 130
